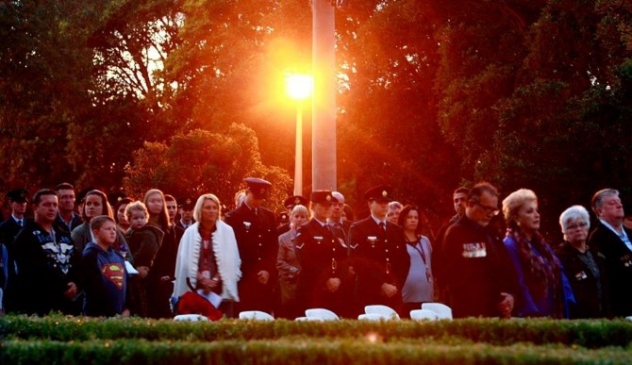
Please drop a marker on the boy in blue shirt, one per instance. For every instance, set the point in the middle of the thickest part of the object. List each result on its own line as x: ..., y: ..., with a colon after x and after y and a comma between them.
x: 105, y: 274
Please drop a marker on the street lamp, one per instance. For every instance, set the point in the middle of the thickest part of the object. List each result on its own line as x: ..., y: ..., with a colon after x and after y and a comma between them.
x: 299, y: 88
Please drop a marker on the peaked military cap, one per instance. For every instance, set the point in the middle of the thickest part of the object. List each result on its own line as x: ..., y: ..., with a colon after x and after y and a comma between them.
x: 322, y: 197
x: 295, y: 200
x: 187, y: 203
x: 18, y: 195
x: 380, y: 193
x: 259, y: 187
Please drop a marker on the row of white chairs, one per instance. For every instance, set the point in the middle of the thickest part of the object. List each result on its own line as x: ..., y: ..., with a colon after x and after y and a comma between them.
x: 428, y: 311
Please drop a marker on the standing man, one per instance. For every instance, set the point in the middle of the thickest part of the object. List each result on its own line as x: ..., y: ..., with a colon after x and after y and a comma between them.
x: 186, y: 213
x: 612, y: 240
x: 459, y: 200
x: 257, y: 240
x: 47, y: 262
x: 479, y: 274
x: 8, y: 231
x: 337, y: 210
x: 378, y: 255
x: 67, y: 217
x: 322, y: 252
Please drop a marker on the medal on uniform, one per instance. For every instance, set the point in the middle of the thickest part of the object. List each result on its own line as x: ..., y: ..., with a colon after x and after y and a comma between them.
x: 474, y: 250
x: 581, y: 275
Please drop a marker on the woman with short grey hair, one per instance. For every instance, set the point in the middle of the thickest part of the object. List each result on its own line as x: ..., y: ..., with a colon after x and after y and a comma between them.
x: 582, y: 265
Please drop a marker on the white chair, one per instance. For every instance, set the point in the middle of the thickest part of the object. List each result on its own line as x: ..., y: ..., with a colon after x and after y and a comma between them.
x: 423, y: 314
x: 389, y: 312
x: 321, y: 314
x: 300, y: 319
x: 256, y: 315
x: 190, y: 318
x: 441, y: 309
x: 373, y: 317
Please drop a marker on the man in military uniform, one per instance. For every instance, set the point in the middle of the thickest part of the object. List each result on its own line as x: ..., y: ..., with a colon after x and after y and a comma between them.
x: 322, y: 252
x: 186, y: 213
x: 8, y: 231
x: 289, y: 204
x: 379, y: 255
x: 257, y: 240
x: 337, y: 210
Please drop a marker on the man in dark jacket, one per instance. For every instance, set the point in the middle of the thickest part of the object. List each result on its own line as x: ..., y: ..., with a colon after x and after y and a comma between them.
x: 612, y: 240
x: 378, y: 255
x: 257, y: 240
x: 47, y: 262
x: 479, y: 275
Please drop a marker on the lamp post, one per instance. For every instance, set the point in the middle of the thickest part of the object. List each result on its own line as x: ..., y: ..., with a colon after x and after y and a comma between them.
x: 299, y: 88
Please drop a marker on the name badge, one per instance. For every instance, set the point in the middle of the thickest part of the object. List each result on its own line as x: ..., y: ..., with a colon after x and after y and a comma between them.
x: 318, y: 239
x: 474, y: 250
x: 371, y: 240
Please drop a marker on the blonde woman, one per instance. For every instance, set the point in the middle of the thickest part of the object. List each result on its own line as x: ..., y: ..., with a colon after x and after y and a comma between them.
x: 540, y: 275
x: 208, y: 256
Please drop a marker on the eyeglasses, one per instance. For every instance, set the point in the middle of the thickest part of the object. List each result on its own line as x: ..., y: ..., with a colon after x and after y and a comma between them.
x: 488, y: 210
x: 575, y: 226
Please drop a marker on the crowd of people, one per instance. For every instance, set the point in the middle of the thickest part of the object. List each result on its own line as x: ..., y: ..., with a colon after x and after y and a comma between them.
x: 160, y: 256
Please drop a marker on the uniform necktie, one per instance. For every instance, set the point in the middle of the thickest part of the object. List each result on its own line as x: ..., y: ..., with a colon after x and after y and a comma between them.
x: 20, y: 222
x: 383, y: 226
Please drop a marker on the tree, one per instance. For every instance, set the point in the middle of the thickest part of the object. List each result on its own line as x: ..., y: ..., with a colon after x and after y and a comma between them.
x: 204, y: 162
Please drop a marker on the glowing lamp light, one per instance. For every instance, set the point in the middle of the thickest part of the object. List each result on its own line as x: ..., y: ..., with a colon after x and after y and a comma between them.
x: 299, y: 87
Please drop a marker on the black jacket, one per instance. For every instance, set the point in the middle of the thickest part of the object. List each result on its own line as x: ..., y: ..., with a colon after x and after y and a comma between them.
x: 478, y: 269
x: 618, y: 262
x: 584, y: 283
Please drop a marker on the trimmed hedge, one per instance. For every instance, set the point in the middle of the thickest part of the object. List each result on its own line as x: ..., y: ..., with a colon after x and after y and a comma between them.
x: 589, y: 334
x: 292, y: 351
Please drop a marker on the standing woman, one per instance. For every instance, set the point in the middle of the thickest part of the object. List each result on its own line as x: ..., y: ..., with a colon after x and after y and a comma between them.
x: 119, y: 215
x: 287, y: 263
x: 540, y: 276
x: 208, y: 255
x: 418, y: 287
x: 582, y: 266
x: 95, y: 203
x: 159, y: 280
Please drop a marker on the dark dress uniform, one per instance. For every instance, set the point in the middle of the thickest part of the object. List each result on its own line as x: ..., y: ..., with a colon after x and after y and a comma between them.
x: 478, y: 270
x: 322, y: 252
x: 257, y: 240
x: 378, y: 256
x: 618, y: 263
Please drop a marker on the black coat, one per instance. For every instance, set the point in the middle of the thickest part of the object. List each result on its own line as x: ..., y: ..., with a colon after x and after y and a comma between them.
x: 9, y: 229
x: 378, y: 257
x: 618, y: 262
x: 45, y: 267
x: 322, y: 252
x: 478, y: 269
x: 258, y: 245
x: 584, y: 283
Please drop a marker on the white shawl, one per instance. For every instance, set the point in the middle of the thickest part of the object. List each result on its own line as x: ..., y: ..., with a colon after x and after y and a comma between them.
x: 226, y: 255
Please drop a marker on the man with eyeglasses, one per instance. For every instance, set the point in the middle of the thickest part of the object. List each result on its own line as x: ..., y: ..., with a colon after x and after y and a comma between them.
x: 612, y: 240
x: 478, y: 271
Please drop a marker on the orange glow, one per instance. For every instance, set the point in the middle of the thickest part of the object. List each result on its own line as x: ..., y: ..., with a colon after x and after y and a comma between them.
x: 299, y: 87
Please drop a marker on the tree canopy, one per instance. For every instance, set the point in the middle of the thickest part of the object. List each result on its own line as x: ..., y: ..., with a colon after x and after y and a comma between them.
x: 184, y: 95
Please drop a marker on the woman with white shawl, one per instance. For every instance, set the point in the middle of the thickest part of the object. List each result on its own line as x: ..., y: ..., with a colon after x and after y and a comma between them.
x: 208, y: 256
